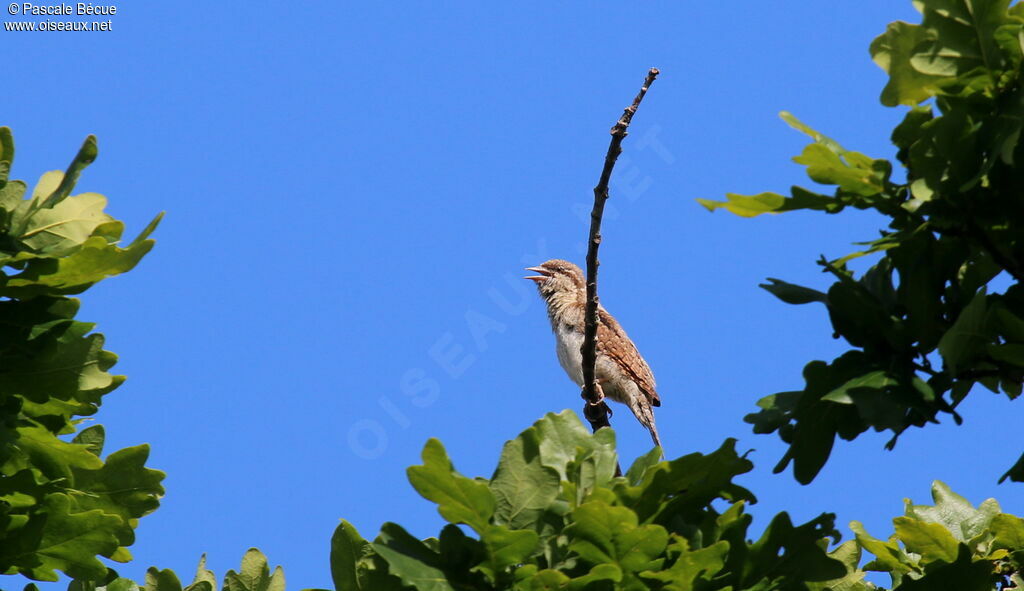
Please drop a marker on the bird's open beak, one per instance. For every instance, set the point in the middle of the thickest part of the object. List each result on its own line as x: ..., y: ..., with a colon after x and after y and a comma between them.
x: 543, y: 274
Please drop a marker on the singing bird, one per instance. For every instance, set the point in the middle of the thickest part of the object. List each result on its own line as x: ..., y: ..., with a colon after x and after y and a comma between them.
x: 622, y: 373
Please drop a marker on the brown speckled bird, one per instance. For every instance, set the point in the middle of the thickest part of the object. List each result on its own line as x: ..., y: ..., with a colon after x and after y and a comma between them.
x: 622, y: 373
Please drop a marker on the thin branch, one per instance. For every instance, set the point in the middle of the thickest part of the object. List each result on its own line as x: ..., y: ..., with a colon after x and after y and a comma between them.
x: 596, y: 411
x: 924, y: 369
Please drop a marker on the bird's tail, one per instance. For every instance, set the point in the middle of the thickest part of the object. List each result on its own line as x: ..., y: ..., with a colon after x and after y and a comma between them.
x: 654, y: 435
x: 645, y: 414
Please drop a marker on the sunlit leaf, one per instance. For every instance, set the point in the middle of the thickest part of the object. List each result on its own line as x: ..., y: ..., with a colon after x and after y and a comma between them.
x: 459, y: 499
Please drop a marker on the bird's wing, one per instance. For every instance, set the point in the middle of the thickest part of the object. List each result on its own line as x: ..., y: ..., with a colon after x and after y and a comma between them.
x: 613, y: 342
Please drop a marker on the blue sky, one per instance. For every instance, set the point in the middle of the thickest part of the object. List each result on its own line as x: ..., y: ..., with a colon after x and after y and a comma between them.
x: 352, y: 191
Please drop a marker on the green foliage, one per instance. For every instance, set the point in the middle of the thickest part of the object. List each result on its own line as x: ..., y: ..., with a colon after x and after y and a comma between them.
x: 949, y: 545
x: 61, y: 505
x: 656, y: 528
x: 254, y: 575
x: 554, y: 516
x: 956, y: 223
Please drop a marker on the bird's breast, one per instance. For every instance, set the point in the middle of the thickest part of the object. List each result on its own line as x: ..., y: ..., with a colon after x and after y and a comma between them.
x: 568, y: 341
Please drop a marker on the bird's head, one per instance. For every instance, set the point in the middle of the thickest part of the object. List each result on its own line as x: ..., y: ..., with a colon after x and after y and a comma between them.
x: 558, y: 278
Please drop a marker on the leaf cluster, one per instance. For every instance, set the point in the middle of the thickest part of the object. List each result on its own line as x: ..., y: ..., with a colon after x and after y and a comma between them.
x: 253, y: 575
x: 553, y: 517
x: 950, y: 545
x: 61, y: 505
x: 929, y: 320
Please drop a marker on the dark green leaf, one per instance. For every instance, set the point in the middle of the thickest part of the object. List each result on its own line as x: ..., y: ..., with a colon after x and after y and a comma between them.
x: 785, y: 550
x: 875, y: 380
x: 703, y: 563
x: 1016, y: 472
x: 641, y: 465
x: 962, y: 37
x: 847, y: 554
x: 347, y: 547
x: 410, y: 559
x: 676, y: 494
x: 793, y: 294
x: 64, y: 540
x: 1011, y: 353
x: 965, y: 340
x: 961, y: 575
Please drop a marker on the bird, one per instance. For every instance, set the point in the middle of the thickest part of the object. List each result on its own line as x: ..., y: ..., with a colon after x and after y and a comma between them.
x: 622, y: 373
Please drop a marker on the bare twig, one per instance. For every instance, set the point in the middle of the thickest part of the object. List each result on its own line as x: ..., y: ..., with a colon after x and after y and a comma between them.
x: 596, y: 410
